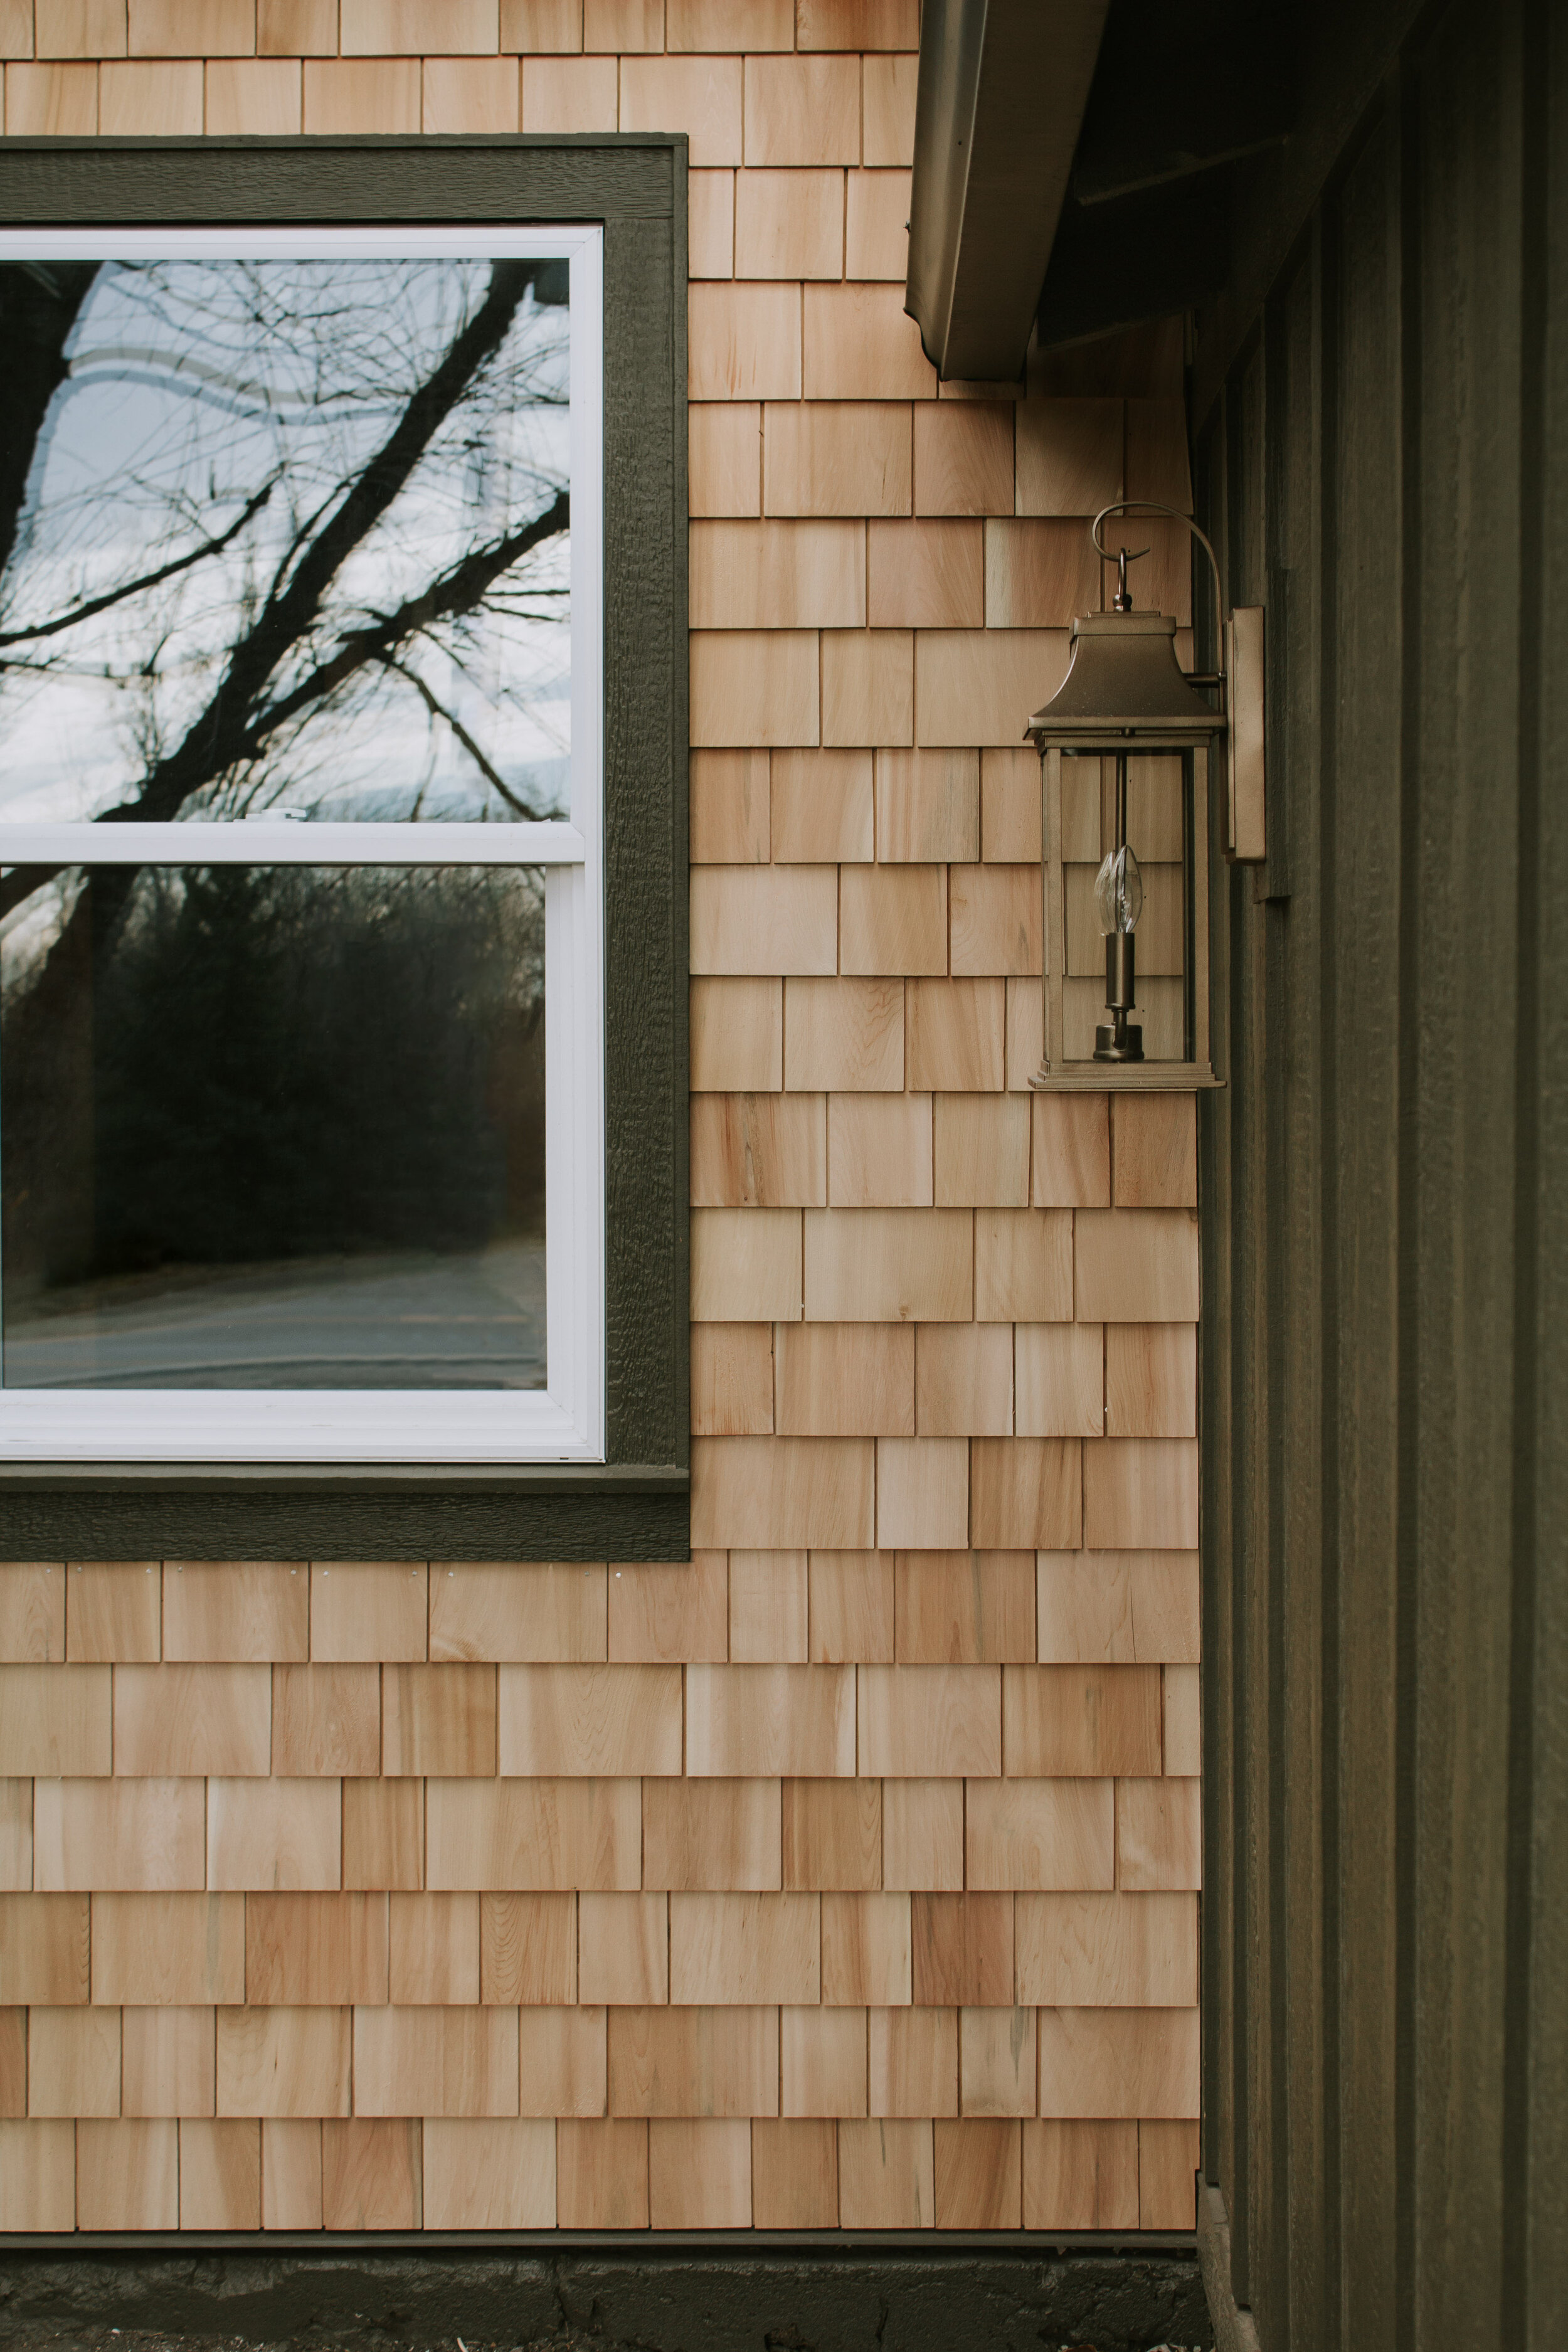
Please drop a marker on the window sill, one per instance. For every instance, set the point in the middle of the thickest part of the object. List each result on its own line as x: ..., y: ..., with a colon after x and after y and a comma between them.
x: 345, y: 1510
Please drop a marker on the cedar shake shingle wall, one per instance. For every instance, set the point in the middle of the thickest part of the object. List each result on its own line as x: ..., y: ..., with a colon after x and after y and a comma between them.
x: 846, y: 1875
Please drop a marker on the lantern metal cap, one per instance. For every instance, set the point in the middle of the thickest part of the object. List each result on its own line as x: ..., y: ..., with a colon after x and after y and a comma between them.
x: 1123, y: 679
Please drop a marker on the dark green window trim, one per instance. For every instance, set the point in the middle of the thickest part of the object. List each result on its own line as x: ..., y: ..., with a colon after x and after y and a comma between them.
x: 636, y: 1505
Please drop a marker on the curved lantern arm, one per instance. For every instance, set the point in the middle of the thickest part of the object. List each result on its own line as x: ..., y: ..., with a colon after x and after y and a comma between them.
x: 1155, y: 506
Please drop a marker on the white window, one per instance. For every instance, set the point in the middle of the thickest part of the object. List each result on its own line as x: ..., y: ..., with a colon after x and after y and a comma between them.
x: 302, y: 998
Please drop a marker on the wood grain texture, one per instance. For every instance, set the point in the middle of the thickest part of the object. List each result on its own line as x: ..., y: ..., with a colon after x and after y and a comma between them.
x: 850, y: 1614
x: 127, y: 2175
x: 240, y: 1610
x: 55, y: 1719
x: 913, y: 2062
x: 433, y: 1949
x: 962, y: 1950
x: 176, y: 1720
x: 110, y: 1835
x: 759, y: 1151
x: 114, y: 1610
x: 964, y: 1608
x: 915, y: 1719
x: 158, y: 1948
x: 488, y: 2175
x: 305, y: 1950
x: 844, y: 1379
x: 670, y: 1615
x: 562, y: 2060
x: 699, y: 2174
x: 694, y: 2062
x: 383, y: 1833
x: 326, y: 1719
x: 886, y: 2175
x: 1158, y: 1834
x: 434, y: 2061
x: 16, y: 1834
x: 767, y: 1607
x: 720, y: 1836
x: 370, y: 2175
x: 832, y: 1833
x: 594, y: 1720
x: 795, y: 1492
x: 1114, y: 1951
x: 550, y: 1611
x: 532, y: 1834
x: 795, y: 2175
x: 220, y: 2174
x: 978, y: 2175
x: 1025, y: 1492
x: 744, y: 1947
x: 1059, y: 1378
x: 290, y: 2174
x: 1029, y: 1833
x: 168, y: 2062
x: 623, y: 1948
x: 438, y: 1719
x: 1076, y: 1722
x: 822, y: 807
x: 284, y: 2061
x: 528, y: 1948
x: 73, y: 2061
x: 1122, y: 1606
x: 822, y: 2061
x: 888, y: 1265
x: 732, y: 1380
x: 368, y: 1611
x: 37, y: 2175
x: 1130, y: 2061
x: 1080, y: 2176
x: 602, y: 2179
x: 922, y: 1834
x: 963, y: 1380
x: 32, y: 1612
x: 865, y: 1947
x: 272, y: 1834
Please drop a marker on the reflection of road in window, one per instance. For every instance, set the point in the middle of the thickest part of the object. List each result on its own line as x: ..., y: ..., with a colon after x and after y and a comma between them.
x: 274, y: 1128
x: 474, y: 1319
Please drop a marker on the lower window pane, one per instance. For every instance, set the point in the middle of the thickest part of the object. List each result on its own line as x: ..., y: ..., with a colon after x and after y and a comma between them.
x: 273, y: 1127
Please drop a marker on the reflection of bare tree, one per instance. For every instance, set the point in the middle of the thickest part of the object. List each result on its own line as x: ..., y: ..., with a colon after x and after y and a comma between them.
x: 236, y: 724
x: 303, y: 637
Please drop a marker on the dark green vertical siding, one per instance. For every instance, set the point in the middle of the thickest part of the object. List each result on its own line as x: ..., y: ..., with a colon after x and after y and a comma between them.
x: 1385, y: 1381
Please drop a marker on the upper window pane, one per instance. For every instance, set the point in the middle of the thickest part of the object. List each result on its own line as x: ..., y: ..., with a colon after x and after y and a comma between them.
x: 285, y: 538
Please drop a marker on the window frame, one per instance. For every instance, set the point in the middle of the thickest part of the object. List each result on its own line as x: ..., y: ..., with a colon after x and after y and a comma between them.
x: 611, y: 1473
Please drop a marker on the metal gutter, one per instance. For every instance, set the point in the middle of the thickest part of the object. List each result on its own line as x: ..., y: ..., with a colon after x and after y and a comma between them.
x: 1002, y: 92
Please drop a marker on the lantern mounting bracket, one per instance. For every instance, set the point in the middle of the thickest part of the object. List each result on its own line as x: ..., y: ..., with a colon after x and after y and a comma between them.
x: 1239, y: 683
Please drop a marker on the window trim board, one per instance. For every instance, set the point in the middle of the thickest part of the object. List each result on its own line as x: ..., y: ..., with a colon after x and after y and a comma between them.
x: 634, y: 1503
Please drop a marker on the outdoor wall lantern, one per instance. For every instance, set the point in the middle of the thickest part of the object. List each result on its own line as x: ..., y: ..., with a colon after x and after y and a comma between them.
x: 1126, y: 830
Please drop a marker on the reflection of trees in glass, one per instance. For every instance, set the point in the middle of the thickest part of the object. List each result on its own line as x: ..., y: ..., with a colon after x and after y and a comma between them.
x: 274, y: 1063
x: 284, y: 536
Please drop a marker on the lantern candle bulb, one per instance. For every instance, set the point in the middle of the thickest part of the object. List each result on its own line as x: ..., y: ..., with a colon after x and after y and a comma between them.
x: 1119, y: 900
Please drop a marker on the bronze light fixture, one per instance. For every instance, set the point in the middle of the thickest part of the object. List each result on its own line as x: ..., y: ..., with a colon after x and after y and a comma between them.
x: 1126, y: 699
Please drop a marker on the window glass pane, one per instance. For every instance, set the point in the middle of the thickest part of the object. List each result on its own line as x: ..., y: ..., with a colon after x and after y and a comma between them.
x: 273, y: 1127
x: 285, y: 538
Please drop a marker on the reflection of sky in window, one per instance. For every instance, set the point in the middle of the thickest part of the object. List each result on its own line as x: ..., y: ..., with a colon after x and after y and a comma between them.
x: 194, y: 387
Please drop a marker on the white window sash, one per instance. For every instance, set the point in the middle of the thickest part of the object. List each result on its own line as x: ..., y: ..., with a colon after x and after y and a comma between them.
x: 564, y: 1421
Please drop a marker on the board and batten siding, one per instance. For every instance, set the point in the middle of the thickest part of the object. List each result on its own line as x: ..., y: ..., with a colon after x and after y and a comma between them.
x: 1386, y: 1438
x: 845, y: 1874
